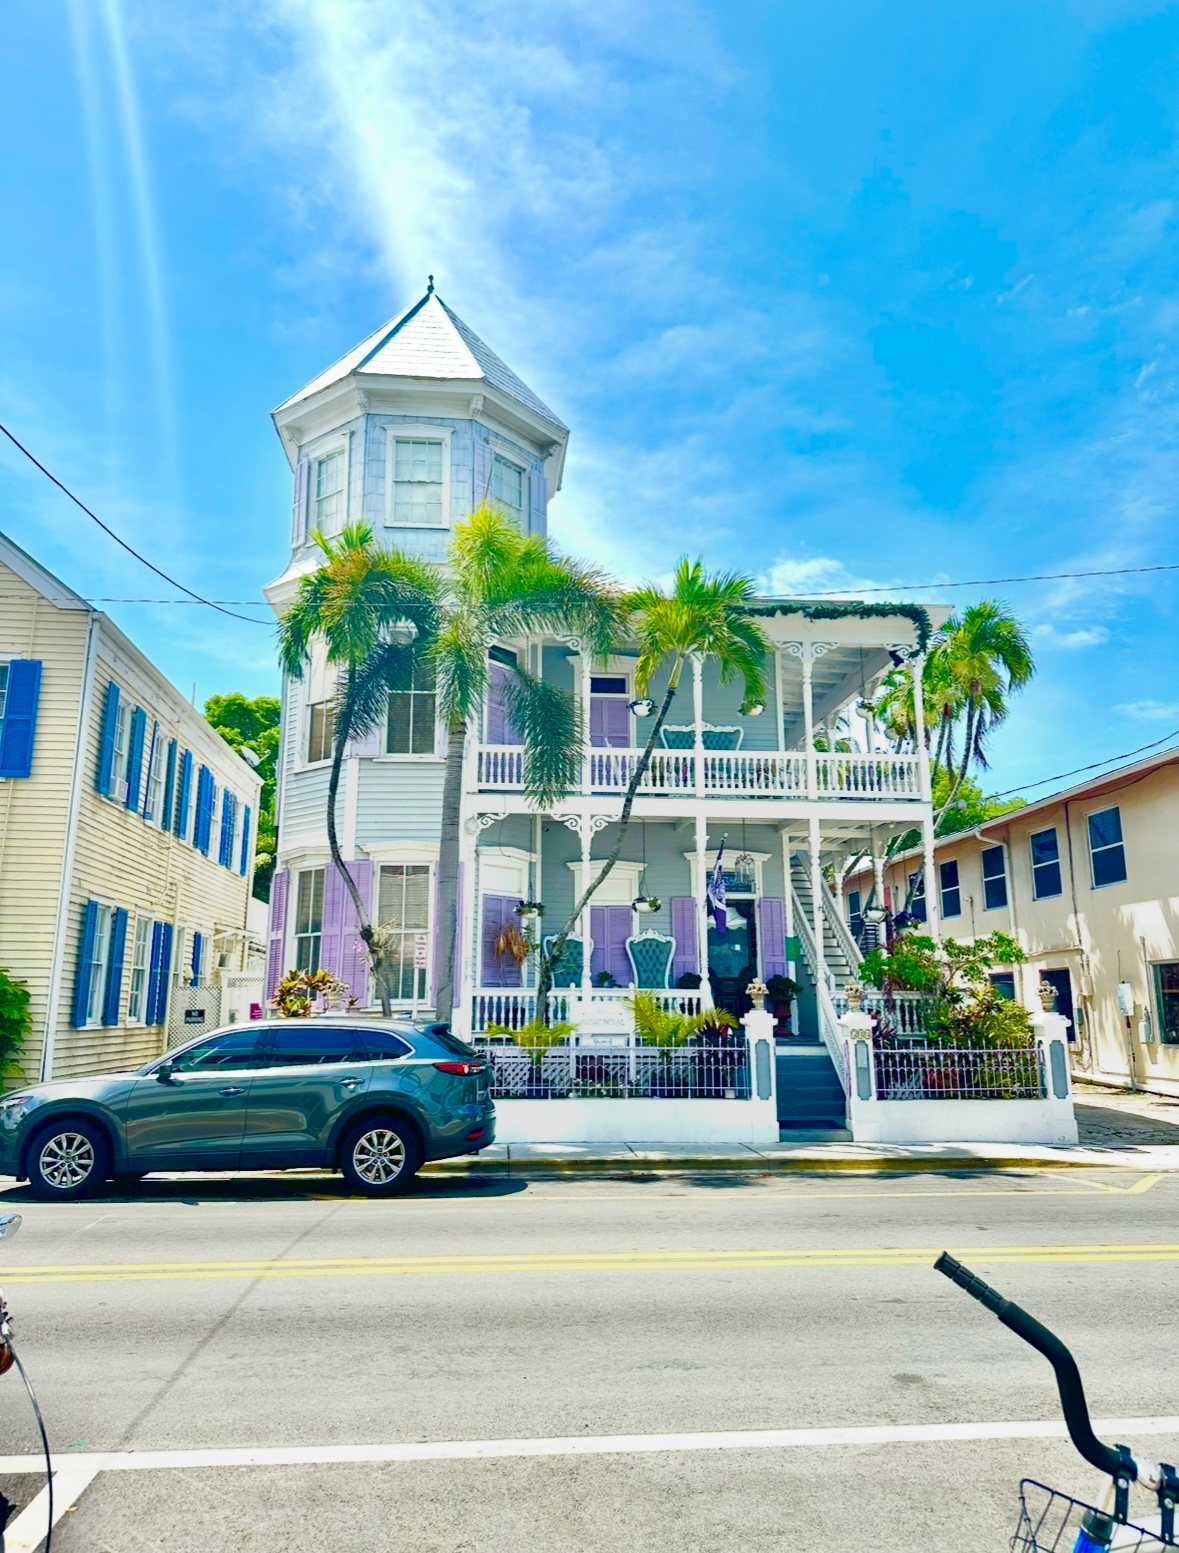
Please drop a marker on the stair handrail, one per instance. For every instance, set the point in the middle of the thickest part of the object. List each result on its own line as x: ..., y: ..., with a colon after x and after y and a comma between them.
x: 840, y: 928
x: 828, y: 1019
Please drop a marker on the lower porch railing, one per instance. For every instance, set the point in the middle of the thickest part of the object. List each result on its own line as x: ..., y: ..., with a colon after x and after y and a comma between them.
x: 511, y: 1007
x: 621, y: 1070
x: 959, y: 1073
x: 904, y: 1014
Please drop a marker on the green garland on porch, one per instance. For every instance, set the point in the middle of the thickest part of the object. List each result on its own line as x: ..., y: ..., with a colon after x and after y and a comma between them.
x: 842, y: 611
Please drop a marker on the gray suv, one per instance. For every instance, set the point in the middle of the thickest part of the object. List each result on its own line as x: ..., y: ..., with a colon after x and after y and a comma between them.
x: 372, y: 1100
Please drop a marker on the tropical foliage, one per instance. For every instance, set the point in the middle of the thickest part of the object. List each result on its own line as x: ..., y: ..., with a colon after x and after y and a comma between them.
x: 500, y: 585
x: 296, y: 994
x: 702, y: 615
x: 252, y: 727
x: 965, y: 1008
x: 375, y: 612
x: 15, y: 1023
x: 535, y: 1036
x: 659, y: 1026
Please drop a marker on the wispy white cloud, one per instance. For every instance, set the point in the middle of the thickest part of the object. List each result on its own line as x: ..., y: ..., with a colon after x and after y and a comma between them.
x: 1051, y: 636
x: 1150, y: 711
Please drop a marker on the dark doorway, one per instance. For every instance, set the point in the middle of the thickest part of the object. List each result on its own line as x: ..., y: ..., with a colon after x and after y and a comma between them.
x: 1063, y: 984
x: 732, y: 958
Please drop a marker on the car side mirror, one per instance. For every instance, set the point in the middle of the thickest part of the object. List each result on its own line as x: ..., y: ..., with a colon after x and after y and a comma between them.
x: 164, y: 1072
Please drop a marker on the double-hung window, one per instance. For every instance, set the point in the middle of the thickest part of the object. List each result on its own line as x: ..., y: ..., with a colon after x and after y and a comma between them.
x: 507, y: 488
x: 404, y: 912
x: 121, y: 746
x: 1046, y: 879
x: 137, y: 989
x: 100, y: 952
x: 329, y: 492
x: 417, y: 483
x: 994, y: 878
x: 309, y: 919
x: 410, y: 727
x: 917, y: 906
x: 855, y: 914
x: 154, y: 792
x: 321, y: 731
x: 1107, y: 855
x: 1166, y: 996
x: 951, y: 889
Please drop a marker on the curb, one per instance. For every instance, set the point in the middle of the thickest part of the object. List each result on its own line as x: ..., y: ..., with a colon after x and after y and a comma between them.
x: 555, y: 1169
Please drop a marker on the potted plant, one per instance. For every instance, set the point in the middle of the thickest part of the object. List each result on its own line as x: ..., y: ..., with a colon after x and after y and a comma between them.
x: 780, y: 994
x: 529, y: 909
x: 689, y: 981
x: 604, y: 979
x: 647, y: 903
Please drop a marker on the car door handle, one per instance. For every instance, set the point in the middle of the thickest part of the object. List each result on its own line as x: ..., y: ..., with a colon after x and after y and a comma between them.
x: 351, y: 1083
x: 233, y: 1089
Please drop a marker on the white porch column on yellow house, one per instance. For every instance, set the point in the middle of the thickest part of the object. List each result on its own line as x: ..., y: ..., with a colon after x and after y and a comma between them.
x: 698, y: 720
x: 816, y: 842
x: 701, y: 881
x: 928, y: 865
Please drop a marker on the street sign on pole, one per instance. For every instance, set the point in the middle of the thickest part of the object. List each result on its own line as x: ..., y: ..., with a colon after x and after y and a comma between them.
x: 420, y: 963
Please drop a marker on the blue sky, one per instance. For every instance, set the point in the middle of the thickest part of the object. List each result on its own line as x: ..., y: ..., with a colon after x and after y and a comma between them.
x: 845, y: 294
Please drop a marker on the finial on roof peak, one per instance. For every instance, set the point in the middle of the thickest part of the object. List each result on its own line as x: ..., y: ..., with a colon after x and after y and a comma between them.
x: 430, y: 287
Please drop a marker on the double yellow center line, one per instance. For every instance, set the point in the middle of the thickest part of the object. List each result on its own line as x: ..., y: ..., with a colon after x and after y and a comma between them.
x: 575, y: 1262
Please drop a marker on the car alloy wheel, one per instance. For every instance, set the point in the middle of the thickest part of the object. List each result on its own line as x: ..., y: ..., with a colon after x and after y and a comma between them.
x: 378, y: 1156
x: 67, y: 1159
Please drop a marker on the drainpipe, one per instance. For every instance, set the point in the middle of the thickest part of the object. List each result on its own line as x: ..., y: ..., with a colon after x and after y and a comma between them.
x: 56, y: 964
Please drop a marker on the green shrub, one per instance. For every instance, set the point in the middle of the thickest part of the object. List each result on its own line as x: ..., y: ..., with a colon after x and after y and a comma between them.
x: 659, y: 1026
x: 15, y: 1024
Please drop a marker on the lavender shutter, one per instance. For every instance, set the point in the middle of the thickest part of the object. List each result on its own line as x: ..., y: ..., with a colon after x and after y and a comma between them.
x: 353, y: 956
x: 539, y: 501
x: 500, y: 728
x: 609, y: 722
x: 499, y: 970
x: 683, y: 930
x: 483, y: 464
x: 610, y: 927
x: 299, y: 507
x: 278, y: 922
x: 771, y: 929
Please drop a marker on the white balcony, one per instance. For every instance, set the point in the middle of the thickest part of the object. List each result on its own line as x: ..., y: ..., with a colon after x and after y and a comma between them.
x: 757, y: 774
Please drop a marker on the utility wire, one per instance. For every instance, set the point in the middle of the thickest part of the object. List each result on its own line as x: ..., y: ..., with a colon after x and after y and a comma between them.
x: 49, y: 475
x: 989, y: 582
x: 1076, y: 771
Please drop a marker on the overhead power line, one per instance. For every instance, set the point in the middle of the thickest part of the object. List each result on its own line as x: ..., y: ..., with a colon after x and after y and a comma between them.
x: 1079, y: 770
x: 130, y: 549
x: 991, y: 582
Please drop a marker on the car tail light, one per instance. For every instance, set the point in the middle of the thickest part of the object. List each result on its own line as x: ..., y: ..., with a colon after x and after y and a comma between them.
x: 462, y: 1069
x: 473, y: 1137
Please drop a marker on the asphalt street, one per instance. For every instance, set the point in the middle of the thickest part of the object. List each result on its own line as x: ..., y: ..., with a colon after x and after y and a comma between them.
x: 280, y: 1313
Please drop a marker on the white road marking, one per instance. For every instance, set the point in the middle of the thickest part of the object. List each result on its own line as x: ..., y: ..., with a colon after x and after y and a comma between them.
x: 590, y: 1445
x: 28, y: 1531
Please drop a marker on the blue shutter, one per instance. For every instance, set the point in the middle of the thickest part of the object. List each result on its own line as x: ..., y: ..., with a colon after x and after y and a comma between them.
x: 202, y: 828
x: 244, y: 864
x: 20, y: 717
x: 155, y: 973
x: 198, y: 943
x: 106, y: 742
x: 225, y: 846
x: 85, y: 955
x: 135, y: 756
x: 165, y: 815
x: 114, y: 968
x: 184, y: 795
x: 165, y: 973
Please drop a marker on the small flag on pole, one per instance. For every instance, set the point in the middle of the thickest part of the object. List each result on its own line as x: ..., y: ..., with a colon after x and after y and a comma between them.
x: 715, y: 897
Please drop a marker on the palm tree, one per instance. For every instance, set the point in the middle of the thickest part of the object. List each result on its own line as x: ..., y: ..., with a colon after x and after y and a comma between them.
x: 702, y: 616
x: 502, y: 585
x: 377, y: 614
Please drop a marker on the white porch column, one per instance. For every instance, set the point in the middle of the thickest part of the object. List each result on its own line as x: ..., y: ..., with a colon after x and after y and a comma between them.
x: 878, y: 877
x: 917, y: 674
x: 583, y: 923
x: 933, y: 904
x: 532, y: 963
x: 586, y: 698
x: 466, y: 948
x: 816, y: 841
x: 779, y: 699
x: 808, y: 711
x: 702, y: 907
x: 698, y: 719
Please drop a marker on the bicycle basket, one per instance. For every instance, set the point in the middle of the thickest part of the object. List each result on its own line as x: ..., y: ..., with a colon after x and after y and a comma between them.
x: 1053, y: 1523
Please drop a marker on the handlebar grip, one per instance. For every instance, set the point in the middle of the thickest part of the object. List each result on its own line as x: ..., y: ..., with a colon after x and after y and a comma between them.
x: 973, y: 1285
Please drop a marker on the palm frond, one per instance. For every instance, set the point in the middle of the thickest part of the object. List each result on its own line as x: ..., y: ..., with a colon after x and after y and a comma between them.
x: 362, y: 699
x: 548, y: 720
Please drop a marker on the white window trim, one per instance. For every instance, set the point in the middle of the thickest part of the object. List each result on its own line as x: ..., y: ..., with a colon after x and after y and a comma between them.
x: 418, y: 433
x: 513, y: 459
x: 341, y: 444
x: 1005, y: 876
x: 436, y: 758
x: 1032, y: 865
x: 1113, y: 883
x: 304, y: 764
x: 118, y: 792
x: 145, y: 919
x: 106, y: 913
x: 430, y: 864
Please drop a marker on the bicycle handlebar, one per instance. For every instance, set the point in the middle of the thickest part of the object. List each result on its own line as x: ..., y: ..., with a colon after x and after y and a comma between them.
x: 1113, y: 1462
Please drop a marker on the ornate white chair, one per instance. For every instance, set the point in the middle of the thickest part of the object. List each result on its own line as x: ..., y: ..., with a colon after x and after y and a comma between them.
x: 712, y: 737
x: 651, y: 955
x: 567, y: 971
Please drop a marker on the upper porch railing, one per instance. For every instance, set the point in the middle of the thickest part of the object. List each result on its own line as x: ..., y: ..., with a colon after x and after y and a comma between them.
x: 729, y: 773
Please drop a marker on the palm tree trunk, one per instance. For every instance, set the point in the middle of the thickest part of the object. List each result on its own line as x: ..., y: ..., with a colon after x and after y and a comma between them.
x: 369, y: 938
x: 547, y: 961
x: 448, y: 867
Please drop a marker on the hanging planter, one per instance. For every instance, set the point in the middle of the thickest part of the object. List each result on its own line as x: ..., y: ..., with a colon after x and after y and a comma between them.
x: 646, y: 903
x: 528, y: 909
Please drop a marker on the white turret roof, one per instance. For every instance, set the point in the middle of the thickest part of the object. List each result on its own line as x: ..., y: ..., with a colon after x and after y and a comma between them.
x: 428, y: 341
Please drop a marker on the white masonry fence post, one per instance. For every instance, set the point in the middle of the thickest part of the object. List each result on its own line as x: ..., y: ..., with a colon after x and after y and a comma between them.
x: 1051, y: 1031
x: 759, y: 1032
x: 856, y: 1028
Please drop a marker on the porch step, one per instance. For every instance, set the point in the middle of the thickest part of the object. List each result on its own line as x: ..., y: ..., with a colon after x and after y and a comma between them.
x: 809, y: 1092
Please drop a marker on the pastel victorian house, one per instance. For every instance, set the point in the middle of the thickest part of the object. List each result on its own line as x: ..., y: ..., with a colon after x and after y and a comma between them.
x: 409, y: 431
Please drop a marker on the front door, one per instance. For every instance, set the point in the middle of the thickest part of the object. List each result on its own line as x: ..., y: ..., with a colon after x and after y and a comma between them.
x: 195, y: 1117
x: 1063, y: 984
x: 732, y: 958
x: 302, y: 1080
